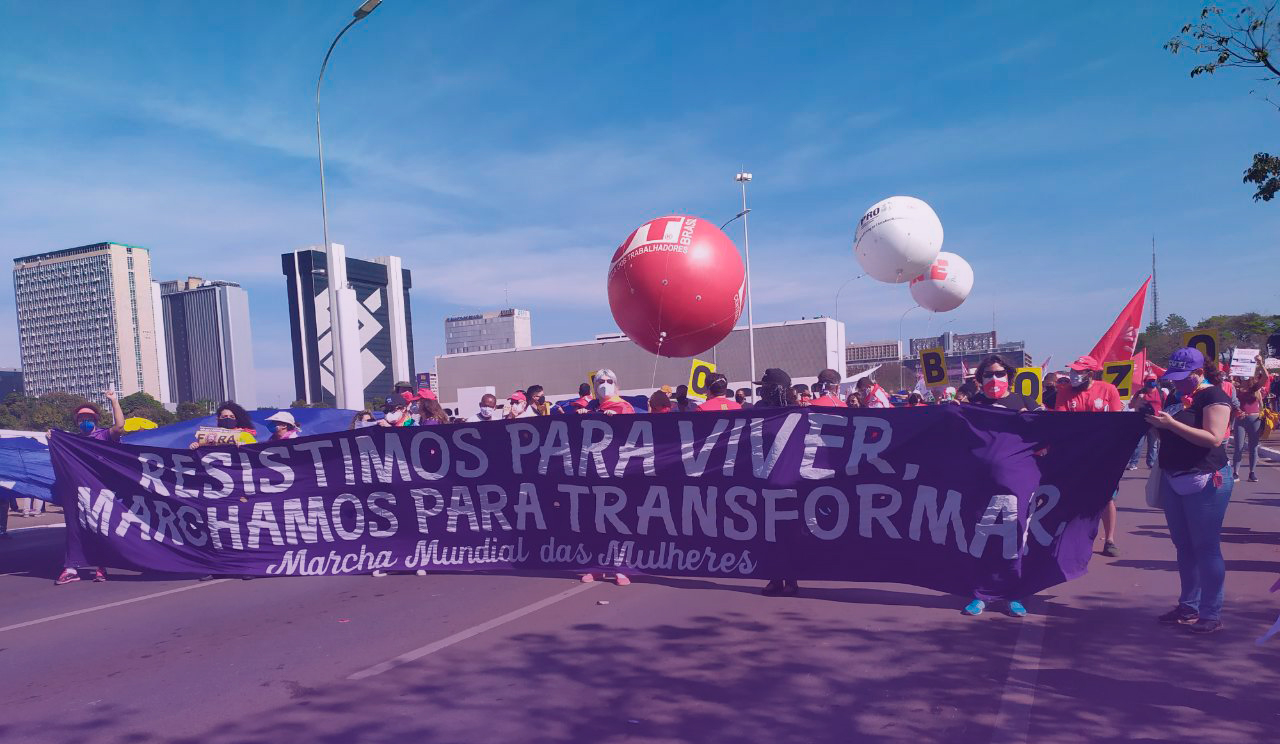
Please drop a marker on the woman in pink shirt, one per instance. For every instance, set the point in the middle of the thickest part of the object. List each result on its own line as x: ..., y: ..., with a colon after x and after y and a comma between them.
x: 1248, y: 423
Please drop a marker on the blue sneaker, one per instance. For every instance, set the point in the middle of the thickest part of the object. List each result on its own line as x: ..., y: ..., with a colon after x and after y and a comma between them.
x: 1016, y: 609
x: 975, y: 607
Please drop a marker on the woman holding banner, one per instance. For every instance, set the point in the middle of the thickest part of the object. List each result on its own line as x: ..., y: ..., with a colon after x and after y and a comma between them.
x: 994, y: 376
x: 1195, y: 486
x: 89, y: 424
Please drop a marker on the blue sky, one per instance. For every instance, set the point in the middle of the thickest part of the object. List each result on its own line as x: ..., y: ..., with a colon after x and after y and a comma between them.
x: 509, y: 147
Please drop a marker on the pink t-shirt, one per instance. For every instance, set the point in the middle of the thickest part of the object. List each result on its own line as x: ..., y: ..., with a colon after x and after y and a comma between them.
x: 1099, y: 396
x: 720, y: 403
x: 828, y: 400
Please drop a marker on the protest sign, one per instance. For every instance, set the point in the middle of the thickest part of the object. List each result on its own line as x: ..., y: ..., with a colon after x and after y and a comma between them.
x: 1244, y: 362
x: 953, y: 498
x: 1205, y: 339
x: 208, y: 435
x: 1029, y: 382
x: 1120, y: 374
x: 933, y: 365
x: 699, y: 377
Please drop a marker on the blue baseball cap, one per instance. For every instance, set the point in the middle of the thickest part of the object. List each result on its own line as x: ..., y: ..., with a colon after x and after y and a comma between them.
x: 1182, y: 363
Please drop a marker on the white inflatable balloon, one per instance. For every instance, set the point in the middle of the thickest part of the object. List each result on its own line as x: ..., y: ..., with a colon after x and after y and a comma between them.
x: 945, y: 285
x: 897, y: 239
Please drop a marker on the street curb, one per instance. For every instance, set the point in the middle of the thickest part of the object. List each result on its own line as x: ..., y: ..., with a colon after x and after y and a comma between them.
x: 1270, y: 454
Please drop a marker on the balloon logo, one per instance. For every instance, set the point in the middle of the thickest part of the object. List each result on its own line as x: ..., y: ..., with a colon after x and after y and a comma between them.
x: 676, y: 286
x: 945, y: 285
x: 897, y: 239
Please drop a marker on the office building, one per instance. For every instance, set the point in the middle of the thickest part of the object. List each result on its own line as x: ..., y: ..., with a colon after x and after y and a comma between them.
x: 207, y: 342
x: 86, y: 321
x: 10, y: 382
x: 964, y: 350
x: 801, y: 347
x: 383, y: 326
x: 867, y: 354
x: 491, y: 331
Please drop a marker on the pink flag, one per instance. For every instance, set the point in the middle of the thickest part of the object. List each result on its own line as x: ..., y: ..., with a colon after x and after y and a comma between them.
x: 1118, y: 342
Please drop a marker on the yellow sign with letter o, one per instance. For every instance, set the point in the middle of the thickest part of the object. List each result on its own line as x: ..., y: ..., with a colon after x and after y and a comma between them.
x: 1029, y: 382
x: 1205, y: 339
x: 700, y: 378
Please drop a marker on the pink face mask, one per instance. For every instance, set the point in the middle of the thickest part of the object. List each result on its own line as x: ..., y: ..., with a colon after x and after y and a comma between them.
x: 995, y: 387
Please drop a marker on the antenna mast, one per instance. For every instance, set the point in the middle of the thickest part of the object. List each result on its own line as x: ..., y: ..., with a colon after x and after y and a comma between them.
x: 1155, y: 289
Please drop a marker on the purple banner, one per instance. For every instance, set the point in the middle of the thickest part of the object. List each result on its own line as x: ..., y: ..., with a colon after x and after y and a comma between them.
x: 961, y: 499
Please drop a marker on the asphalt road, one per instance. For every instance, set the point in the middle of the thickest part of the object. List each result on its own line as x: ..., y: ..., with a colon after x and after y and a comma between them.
x: 502, y: 658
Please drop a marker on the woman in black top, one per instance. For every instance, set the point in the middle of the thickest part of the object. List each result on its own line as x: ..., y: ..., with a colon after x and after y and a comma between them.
x: 1195, y: 486
x: 995, y: 377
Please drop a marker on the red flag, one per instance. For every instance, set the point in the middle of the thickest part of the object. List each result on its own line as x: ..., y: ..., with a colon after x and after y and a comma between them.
x: 1143, y: 366
x: 1118, y: 342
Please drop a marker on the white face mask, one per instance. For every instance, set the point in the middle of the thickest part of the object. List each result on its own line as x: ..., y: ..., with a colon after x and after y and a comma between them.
x: 517, y: 407
x: 606, y: 388
x: 362, y: 424
x: 486, y: 412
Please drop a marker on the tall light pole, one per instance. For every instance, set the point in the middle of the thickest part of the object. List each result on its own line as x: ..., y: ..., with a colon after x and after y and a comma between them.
x: 336, y: 337
x: 744, y: 179
x: 903, y: 342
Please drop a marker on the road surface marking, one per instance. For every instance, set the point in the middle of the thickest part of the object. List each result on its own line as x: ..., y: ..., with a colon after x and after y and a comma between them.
x: 109, y: 605
x: 471, y: 632
x: 1013, y: 722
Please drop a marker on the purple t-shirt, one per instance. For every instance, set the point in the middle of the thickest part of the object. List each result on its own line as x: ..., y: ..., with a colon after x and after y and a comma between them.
x: 106, y: 435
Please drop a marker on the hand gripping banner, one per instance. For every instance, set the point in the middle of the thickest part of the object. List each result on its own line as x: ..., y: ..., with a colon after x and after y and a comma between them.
x: 961, y: 499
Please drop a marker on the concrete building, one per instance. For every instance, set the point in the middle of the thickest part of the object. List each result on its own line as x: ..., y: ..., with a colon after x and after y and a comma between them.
x: 86, y: 321
x: 867, y: 354
x: 801, y: 347
x: 208, y: 344
x: 10, y: 382
x: 384, y: 324
x: 491, y: 331
x: 967, y: 349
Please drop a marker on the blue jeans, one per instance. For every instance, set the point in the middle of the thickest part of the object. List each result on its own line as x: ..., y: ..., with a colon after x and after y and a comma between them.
x: 1248, y: 428
x: 1195, y: 526
x: 1153, y: 449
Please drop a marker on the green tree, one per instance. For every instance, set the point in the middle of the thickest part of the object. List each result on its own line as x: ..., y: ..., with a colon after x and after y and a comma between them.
x: 298, y: 404
x: 188, y: 410
x: 1246, y: 39
x: 142, y: 405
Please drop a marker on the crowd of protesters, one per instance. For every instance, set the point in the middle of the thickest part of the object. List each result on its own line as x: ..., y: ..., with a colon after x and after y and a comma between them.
x: 1194, y: 410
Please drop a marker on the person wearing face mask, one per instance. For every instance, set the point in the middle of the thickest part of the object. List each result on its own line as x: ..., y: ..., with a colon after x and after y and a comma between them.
x: 994, y: 378
x: 518, y: 406
x: 1087, y: 395
x: 430, y: 412
x: 872, y: 395
x: 89, y: 424
x: 1049, y: 391
x: 537, y: 401
x: 607, y: 396
x: 827, y: 390
x: 362, y: 419
x: 488, y: 409
x: 1195, y: 486
x: 1147, y: 400
x: 681, y: 400
x: 775, y: 391
x: 284, y: 425
x: 718, y: 395
x: 412, y: 416
x: 233, y: 417
x: 395, y: 411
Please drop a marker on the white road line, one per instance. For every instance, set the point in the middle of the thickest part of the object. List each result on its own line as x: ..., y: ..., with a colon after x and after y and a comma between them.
x: 471, y: 632
x: 1013, y: 722
x: 109, y: 605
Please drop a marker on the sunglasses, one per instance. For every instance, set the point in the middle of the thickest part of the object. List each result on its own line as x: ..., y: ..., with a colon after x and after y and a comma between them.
x: 995, y: 373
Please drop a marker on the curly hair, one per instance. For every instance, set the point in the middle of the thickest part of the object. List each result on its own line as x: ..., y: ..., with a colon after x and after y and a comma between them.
x: 242, y: 416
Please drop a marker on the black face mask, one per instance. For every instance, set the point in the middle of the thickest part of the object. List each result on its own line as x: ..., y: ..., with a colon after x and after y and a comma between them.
x: 227, y: 423
x: 772, y: 395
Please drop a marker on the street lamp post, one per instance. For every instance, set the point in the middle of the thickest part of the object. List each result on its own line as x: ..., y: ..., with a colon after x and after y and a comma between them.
x: 744, y: 179
x: 338, y: 341
x: 903, y: 342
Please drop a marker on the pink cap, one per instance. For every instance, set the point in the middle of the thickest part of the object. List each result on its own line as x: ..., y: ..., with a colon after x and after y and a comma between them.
x: 1085, y: 362
x: 408, y: 396
x: 516, y: 396
x: 425, y: 394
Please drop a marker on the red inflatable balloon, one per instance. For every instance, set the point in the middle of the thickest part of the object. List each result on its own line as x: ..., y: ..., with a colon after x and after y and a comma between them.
x: 676, y: 286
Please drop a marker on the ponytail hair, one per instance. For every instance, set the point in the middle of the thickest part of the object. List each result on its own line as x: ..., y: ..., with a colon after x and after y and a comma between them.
x: 1213, y: 372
